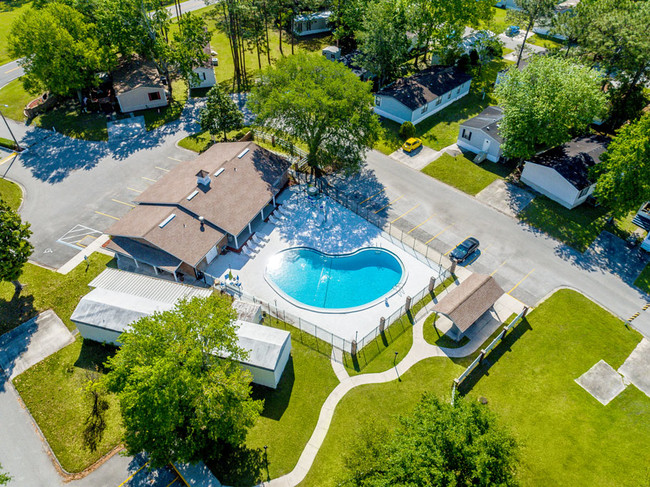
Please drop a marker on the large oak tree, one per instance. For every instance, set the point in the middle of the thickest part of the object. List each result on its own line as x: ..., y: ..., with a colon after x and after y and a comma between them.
x: 182, y: 392
x: 320, y: 103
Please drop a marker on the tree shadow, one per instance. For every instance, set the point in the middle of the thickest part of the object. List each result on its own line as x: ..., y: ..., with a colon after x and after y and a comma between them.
x: 492, y: 358
x: 17, y: 310
x: 14, y: 342
x: 9, y: 5
x: 93, y: 355
x: 276, y: 400
x: 239, y: 466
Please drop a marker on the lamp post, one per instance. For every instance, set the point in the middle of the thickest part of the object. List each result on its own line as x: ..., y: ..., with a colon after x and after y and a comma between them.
x: 9, y: 129
x: 395, y: 360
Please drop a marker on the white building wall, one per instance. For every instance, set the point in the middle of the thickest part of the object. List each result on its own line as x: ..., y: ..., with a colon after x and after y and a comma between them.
x: 392, y: 109
x: 477, y: 143
x: 207, y: 77
x: 101, y: 335
x: 138, y: 99
x: 550, y: 183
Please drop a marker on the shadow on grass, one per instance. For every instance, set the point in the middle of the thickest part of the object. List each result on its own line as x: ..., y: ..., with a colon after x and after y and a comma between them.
x: 276, y: 401
x: 16, y: 311
x: 239, y: 466
x: 93, y: 355
x: 484, y: 368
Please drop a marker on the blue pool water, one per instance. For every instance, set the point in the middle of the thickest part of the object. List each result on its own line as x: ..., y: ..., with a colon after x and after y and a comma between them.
x: 327, y: 281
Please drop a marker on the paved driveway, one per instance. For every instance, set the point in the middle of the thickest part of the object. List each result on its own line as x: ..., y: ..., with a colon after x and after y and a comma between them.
x: 75, y: 189
x: 528, y: 264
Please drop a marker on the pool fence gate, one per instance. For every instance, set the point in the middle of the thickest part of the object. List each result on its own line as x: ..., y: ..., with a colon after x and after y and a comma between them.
x: 484, y: 352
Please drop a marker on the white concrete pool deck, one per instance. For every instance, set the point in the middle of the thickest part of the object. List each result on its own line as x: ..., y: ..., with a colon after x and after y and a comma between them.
x: 343, y: 232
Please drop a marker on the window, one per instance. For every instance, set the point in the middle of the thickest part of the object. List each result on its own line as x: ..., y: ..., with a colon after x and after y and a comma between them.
x: 203, y: 75
x: 584, y: 192
x: 377, y: 101
x: 425, y: 108
x: 467, y: 134
x: 154, y: 95
x: 438, y: 101
x: 449, y: 95
x: 458, y: 91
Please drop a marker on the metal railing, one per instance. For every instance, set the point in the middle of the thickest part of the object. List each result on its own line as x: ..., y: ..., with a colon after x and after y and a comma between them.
x: 294, y: 154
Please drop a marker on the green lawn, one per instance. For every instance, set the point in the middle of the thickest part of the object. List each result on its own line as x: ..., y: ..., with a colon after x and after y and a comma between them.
x: 577, y: 228
x: 202, y: 141
x: 441, y: 130
x: 9, y: 11
x: 566, y: 436
x: 15, y: 97
x: 11, y: 193
x: 643, y: 281
x: 434, y: 337
x: 463, y: 174
x: 46, y: 289
x: 498, y: 24
x: 545, y: 41
x: 53, y: 391
x: 157, y: 117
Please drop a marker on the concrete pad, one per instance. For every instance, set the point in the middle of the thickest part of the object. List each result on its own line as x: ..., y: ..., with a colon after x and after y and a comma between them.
x: 636, y: 369
x: 505, y: 197
x: 417, y: 159
x: 126, y: 128
x: 32, y: 342
x: 602, y: 382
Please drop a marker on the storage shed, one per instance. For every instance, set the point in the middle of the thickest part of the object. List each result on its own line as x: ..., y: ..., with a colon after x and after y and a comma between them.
x: 138, y: 86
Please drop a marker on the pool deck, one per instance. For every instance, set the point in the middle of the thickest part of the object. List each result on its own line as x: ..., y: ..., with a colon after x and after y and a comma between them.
x: 342, y: 232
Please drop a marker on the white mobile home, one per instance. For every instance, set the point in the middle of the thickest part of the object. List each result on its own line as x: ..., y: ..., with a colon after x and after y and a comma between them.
x: 417, y: 97
x: 205, y: 72
x: 481, y: 134
x: 138, y: 86
x: 562, y: 173
x: 309, y: 24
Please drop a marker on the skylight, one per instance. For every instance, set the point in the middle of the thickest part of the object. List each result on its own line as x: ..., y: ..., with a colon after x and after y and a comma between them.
x: 167, y: 220
x: 219, y: 172
x: 192, y: 194
x: 243, y: 153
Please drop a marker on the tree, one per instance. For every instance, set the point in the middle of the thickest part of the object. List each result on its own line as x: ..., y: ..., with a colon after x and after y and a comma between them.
x: 612, y: 35
x: 179, y: 400
x: 530, y: 12
x: 320, y: 103
x: 60, y: 49
x: 546, y: 104
x: 437, y: 444
x: 383, y: 41
x: 4, y: 478
x: 348, y: 18
x: 187, y: 49
x: 623, y: 175
x: 15, y: 248
x: 220, y: 114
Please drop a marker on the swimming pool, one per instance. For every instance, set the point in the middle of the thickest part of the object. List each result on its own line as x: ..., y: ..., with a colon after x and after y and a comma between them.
x: 332, y: 283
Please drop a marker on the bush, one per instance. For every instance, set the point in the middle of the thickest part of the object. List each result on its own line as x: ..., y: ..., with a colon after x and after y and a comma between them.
x: 9, y: 144
x: 407, y: 130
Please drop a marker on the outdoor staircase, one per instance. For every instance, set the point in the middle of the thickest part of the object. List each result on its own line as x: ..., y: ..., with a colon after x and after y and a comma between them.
x: 480, y: 157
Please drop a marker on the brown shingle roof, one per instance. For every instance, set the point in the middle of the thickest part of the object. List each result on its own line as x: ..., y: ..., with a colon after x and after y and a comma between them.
x: 235, y: 195
x: 143, y: 253
x: 182, y: 237
x: 466, y: 303
x: 135, y: 73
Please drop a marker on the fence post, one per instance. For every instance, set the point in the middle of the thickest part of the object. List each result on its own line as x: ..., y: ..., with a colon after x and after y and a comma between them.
x: 353, y: 347
x: 452, y: 269
x: 523, y: 314
x: 481, y: 356
x: 407, y: 304
x: 382, y: 324
x: 432, y: 284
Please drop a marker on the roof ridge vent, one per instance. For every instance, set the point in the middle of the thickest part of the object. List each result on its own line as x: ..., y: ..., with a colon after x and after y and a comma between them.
x: 243, y: 153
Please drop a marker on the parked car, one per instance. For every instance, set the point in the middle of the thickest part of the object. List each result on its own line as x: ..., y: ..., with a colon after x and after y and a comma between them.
x: 464, y: 249
x: 411, y: 144
x: 512, y: 31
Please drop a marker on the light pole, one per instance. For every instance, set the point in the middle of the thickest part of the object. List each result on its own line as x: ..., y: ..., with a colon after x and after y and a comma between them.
x: 9, y: 129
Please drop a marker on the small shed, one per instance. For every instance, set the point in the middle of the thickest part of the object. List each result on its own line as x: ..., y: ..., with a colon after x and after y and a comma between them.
x: 205, y: 72
x: 249, y: 312
x: 138, y: 86
x: 268, y: 349
x: 314, y: 23
x: 465, y: 304
x: 332, y: 53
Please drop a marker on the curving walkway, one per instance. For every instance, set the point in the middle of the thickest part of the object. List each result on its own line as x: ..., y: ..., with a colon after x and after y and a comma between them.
x: 420, y: 350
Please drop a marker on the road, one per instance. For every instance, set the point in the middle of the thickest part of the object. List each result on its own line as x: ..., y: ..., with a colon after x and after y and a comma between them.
x: 528, y: 264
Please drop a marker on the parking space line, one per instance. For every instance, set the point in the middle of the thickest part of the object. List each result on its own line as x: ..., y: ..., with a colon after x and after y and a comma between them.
x: 135, y: 190
x: 396, y: 199
x: 438, y: 234
x: 148, y: 179
x: 405, y: 213
x: 418, y: 226
x: 133, y: 474
x: 371, y: 197
x: 522, y: 280
x: 170, y: 483
x: 106, y: 214
x: 162, y: 169
x: 495, y: 270
x: 123, y: 203
x: 457, y: 245
x: 78, y: 242
x: 173, y: 159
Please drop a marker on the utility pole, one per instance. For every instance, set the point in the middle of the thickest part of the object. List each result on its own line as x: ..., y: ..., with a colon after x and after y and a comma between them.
x: 9, y: 129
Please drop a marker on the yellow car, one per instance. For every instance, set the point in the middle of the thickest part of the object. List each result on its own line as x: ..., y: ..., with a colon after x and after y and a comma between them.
x: 411, y: 144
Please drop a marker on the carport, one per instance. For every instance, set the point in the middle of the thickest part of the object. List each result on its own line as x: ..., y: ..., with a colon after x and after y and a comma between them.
x: 465, y: 304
